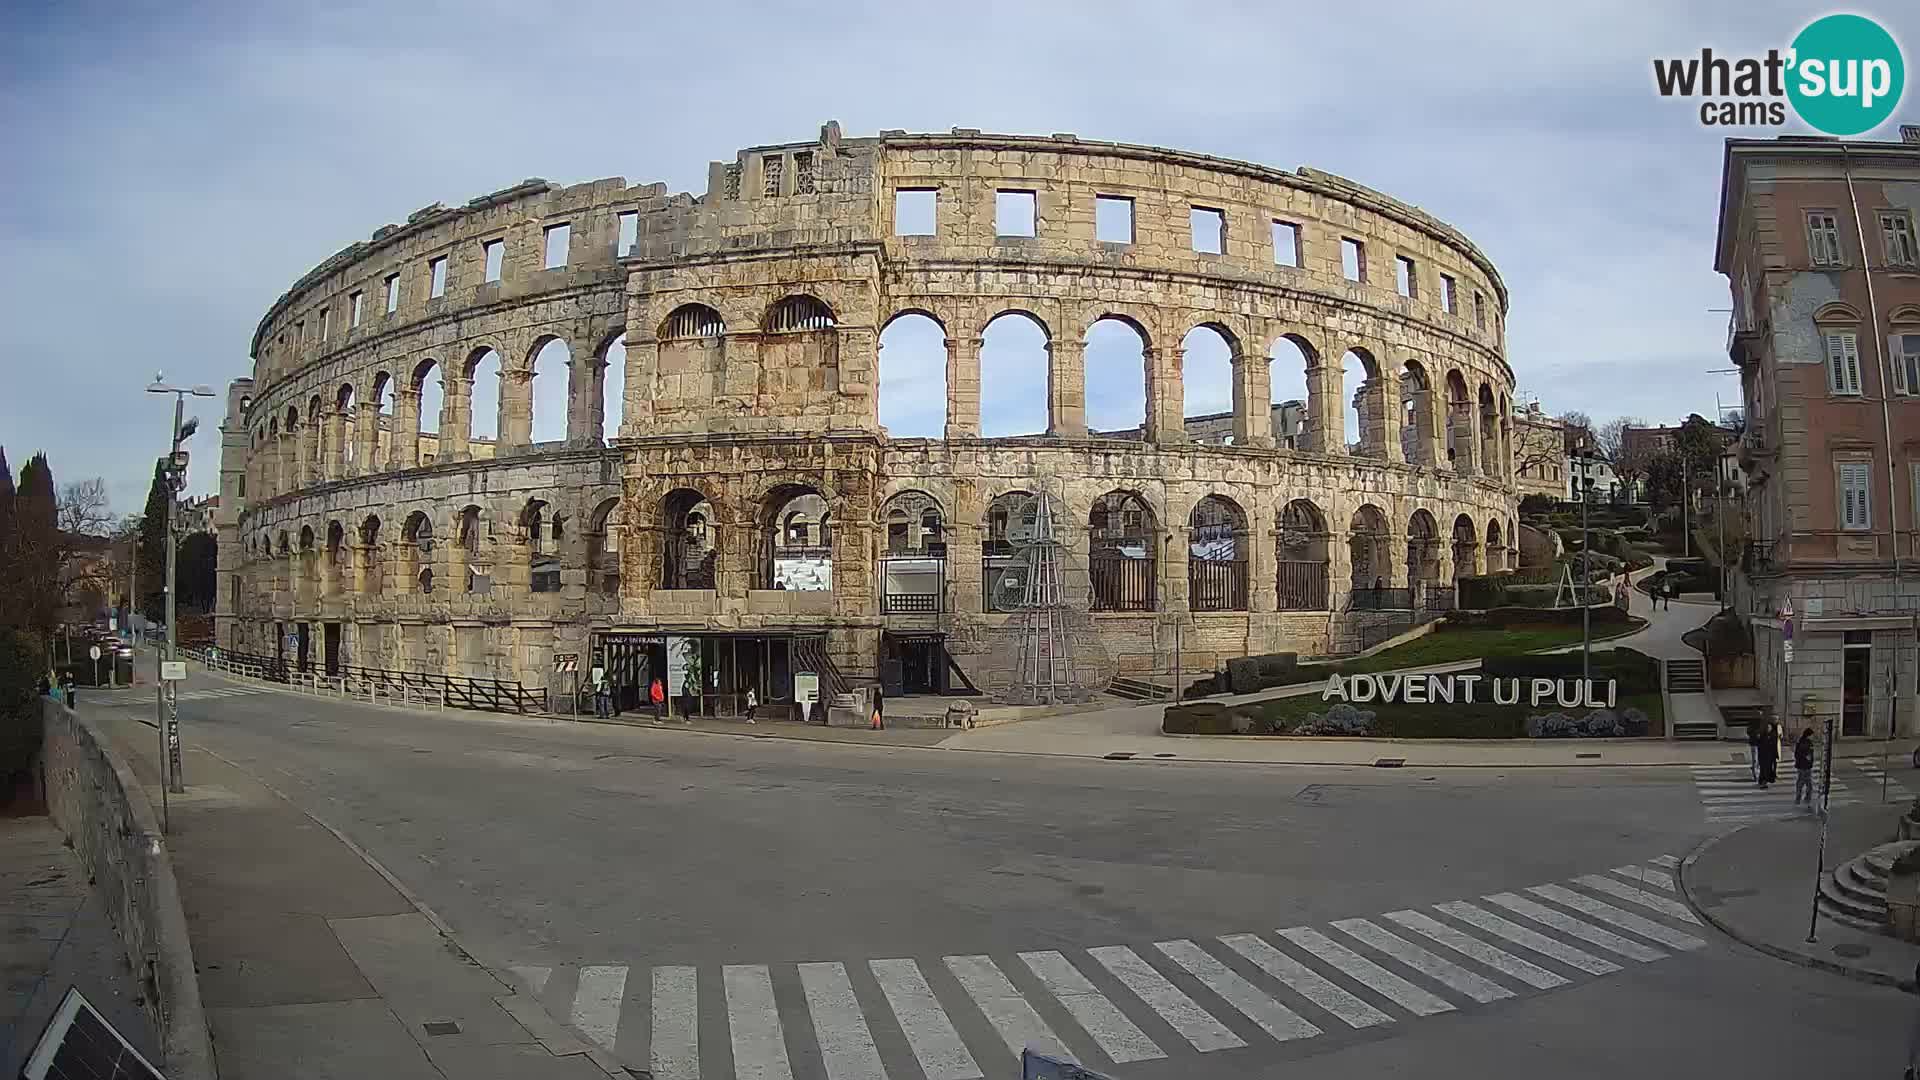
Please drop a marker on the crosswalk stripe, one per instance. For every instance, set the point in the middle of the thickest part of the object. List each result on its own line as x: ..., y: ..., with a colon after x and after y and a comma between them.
x: 1587, y: 932
x: 1118, y: 1037
x: 675, y: 1050
x: 534, y: 976
x: 1649, y: 877
x: 1274, y: 1018
x: 1181, y: 1012
x: 1440, y: 970
x: 929, y: 1033
x: 753, y: 1020
x: 1309, y: 983
x: 1362, y: 970
x: 1625, y: 920
x: 596, y: 1004
x: 1467, y: 945
x: 1671, y: 908
x: 1668, y: 861
x: 1010, y: 1014
x: 1520, y: 935
x: 846, y: 1045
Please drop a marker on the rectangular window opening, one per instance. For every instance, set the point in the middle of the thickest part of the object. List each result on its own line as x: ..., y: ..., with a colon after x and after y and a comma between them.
x: 326, y: 323
x: 1896, y: 232
x: 1906, y: 363
x: 1113, y: 219
x: 1856, y: 487
x: 629, y: 233
x: 495, y: 253
x: 803, y: 173
x: 1406, y: 277
x: 772, y: 171
x: 1823, y: 238
x: 1209, y: 228
x: 1286, y: 243
x: 393, y: 293
x: 355, y: 300
x: 1013, y: 213
x: 1480, y: 310
x: 558, y: 237
x: 1353, y: 259
x: 1449, y: 294
x: 914, y: 211
x: 437, y: 277
x: 1843, y: 363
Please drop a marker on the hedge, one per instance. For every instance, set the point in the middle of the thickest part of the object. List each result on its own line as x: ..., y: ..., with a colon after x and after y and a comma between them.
x: 21, y: 666
x: 1606, y: 616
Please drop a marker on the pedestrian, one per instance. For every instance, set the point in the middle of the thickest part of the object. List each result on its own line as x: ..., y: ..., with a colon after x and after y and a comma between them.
x: 597, y: 680
x: 1754, y: 731
x: 657, y: 693
x: 879, y: 712
x: 751, y: 702
x: 1803, y: 768
x: 1769, y: 755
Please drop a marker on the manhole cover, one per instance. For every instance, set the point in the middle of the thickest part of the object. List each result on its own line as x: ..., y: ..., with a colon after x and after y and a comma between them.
x: 1851, y: 951
x: 1586, y: 755
x: 441, y: 1027
x: 1163, y: 754
x: 1389, y: 762
x: 1120, y: 755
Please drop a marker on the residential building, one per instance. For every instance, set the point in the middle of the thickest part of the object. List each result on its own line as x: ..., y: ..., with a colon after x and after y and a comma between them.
x: 1589, y: 470
x: 1539, y: 453
x: 1815, y: 238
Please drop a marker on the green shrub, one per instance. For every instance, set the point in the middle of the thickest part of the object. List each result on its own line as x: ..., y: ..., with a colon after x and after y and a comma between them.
x: 1250, y: 673
x: 22, y: 663
x: 1201, y: 718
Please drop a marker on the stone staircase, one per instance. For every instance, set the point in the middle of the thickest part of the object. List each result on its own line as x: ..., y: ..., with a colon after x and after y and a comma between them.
x: 1686, y: 676
x: 1139, y: 689
x: 1855, y: 892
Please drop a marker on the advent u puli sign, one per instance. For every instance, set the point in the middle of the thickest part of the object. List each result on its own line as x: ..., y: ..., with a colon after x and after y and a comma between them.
x: 1470, y: 688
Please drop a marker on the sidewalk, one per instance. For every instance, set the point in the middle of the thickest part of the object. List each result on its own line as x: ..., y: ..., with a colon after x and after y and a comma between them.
x: 54, y: 934
x: 313, y: 964
x: 1755, y: 884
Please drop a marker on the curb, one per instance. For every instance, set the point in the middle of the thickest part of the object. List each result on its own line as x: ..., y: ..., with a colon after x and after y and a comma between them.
x: 1800, y: 959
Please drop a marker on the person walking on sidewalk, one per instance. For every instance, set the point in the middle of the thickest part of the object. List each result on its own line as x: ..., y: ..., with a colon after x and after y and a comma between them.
x: 657, y: 693
x: 601, y: 698
x: 1769, y: 755
x: 1803, y: 768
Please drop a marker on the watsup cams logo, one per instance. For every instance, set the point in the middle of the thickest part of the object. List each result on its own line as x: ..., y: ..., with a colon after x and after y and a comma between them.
x: 1843, y: 75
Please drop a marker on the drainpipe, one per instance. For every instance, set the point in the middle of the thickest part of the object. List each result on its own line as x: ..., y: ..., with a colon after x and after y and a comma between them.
x: 1886, y: 392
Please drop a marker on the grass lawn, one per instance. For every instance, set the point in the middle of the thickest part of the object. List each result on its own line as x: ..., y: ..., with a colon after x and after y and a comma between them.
x: 1446, y: 646
x: 1480, y: 720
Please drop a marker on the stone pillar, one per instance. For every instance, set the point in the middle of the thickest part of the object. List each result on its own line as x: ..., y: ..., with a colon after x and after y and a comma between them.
x: 362, y: 555
x: 643, y: 364
x: 1252, y: 408
x: 1067, y: 388
x: 456, y: 412
x: 963, y: 387
x: 1386, y: 402
x: 1434, y: 433
x: 366, y: 431
x: 333, y: 442
x: 516, y: 407
x: 965, y: 589
x: 1323, y: 429
x: 1173, y: 555
x: 1339, y: 567
x: 585, y: 377
x: 1476, y: 462
x: 403, y: 444
x: 1263, y: 566
x: 1166, y: 397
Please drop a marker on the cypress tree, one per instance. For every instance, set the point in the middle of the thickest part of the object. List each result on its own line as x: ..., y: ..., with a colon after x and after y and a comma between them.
x: 37, y: 545
x: 152, y: 601
x: 12, y: 580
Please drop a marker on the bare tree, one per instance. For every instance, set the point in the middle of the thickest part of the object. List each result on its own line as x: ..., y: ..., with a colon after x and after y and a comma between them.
x: 85, y: 521
x: 1610, y: 437
x: 83, y: 509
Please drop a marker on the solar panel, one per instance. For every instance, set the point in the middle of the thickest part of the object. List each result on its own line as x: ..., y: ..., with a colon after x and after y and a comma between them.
x: 79, y: 1044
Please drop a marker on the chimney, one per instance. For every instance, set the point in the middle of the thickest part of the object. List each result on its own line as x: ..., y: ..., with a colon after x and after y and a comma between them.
x: 1910, y: 133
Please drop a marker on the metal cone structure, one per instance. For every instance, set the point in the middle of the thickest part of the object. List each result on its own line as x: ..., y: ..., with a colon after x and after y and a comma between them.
x: 1046, y: 672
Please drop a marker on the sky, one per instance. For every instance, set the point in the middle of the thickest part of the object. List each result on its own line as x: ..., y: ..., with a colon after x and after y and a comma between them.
x: 173, y: 167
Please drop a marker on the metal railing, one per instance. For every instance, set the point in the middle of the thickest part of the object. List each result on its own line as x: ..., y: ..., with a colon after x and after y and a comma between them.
x: 1122, y: 584
x: 913, y: 603
x: 1302, y: 585
x: 1381, y: 599
x: 373, y: 684
x: 1216, y: 585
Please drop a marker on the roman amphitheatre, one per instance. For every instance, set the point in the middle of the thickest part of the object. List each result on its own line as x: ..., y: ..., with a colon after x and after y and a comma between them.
x: 1268, y: 409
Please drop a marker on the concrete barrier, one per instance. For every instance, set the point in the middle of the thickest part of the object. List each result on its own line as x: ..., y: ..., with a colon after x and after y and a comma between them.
x: 98, y: 803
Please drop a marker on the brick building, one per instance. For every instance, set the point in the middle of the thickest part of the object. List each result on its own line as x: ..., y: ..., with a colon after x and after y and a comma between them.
x: 1816, y: 238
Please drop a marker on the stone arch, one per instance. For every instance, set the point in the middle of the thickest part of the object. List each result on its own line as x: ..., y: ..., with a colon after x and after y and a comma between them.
x: 1459, y: 422
x: 345, y: 438
x: 914, y: 523
x: 1209, y: 355
x: 1423, y: 549
x: 547, y: 394
x: 796, y: 539
x: 1489, y: 428
x: 429, y: 403
x: 416, y: 552
x: 689, y: 541
x: 691, y: 320
x: 604, y: 534
x: 372, y: 569
x: 1217, y: 555
x: 1417, y: 414
x: 611, y: 375
x: 1496, y: 550
x: 1305, y: 557
x: 912, y: 389
x: 1368, y: 537
x: 1009, y: 520
x: 1015, y: 354
x: 1293, y: 365
x: 483, y: 382
x: 1123, y: 552
x: 1115, y: 356
x: 913, y: 570
x: 1363, y: 396
x: 798, y: 313
x: 541, y: 532
x: 1466, y: 547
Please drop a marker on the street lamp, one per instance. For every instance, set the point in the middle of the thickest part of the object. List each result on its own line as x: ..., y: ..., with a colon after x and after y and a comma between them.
x: 176, y: 471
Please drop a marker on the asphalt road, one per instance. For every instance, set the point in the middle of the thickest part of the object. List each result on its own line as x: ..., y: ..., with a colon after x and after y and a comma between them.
x: 700, y: 900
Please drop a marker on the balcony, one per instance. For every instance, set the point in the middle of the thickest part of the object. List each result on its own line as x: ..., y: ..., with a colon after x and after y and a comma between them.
x: 1743, y: 341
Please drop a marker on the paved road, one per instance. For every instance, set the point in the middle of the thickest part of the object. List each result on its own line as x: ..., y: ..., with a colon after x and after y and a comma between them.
x: 755, y: 908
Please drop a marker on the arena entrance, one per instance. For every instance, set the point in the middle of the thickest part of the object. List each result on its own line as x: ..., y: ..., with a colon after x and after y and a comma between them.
x: 913, y: 664
x: 717, y: 675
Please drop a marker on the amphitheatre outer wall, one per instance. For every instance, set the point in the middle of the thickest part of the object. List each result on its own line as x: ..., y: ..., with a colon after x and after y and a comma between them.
x: 741, y: 334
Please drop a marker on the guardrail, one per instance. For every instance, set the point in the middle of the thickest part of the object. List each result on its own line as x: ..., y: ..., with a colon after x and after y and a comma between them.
x: 377, y: 684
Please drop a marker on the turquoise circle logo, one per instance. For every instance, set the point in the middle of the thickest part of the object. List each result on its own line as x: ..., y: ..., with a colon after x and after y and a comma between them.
x: 1847, y: 74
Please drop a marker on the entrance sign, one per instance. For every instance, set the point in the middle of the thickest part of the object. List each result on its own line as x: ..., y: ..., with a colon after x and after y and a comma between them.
x: 1447, y: 689
x: 173, y: 670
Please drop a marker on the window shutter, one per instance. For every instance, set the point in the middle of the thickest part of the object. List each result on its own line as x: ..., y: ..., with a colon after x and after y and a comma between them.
x: 1853, y: 364
x: 1836, y: 363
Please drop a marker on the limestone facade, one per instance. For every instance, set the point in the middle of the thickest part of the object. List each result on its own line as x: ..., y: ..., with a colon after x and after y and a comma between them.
x: 745, y: 325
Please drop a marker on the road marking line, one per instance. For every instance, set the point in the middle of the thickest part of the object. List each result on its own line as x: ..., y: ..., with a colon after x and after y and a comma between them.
x: 1664, y: 905
x: 1010, y: 1014
x: 675, y: 1051
x: 1520, y: 935
x: 1181, y: 1012
x: 1587, y: 932
x: 1274, y: 1018
x: 846, y: 1045
x: 1307, y: 982
x: 1626, y: 920
x: 929, y: 1033
x: 753, y: 1020
x: 1649, y: 877
x: 534, y: 976
x: 1440, y: 970
x: 1360, y: 969
x: 596, y: 1004
x: 1119, y: 1038
x: 1467, y: 945
x: 1668, y: 861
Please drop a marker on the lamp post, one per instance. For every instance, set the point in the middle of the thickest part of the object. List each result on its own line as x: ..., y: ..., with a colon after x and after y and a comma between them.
x: 176, y: 469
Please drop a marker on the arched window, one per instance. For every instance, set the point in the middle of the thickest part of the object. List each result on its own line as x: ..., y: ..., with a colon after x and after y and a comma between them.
x: 689, y: 549
x: 375, y: 571
x: 1292, y: 398
x: 697, y: 321
x: 543, y: 547
x: 478, y: 577
x: 793, y: 559
x: 336, y: 543
x: 1010, y: 522
x: 613, y: 387
x: 1116, y: 378
x: 1123, y: 553
x: 1013, y: 375
x: 1304, y: 558
x: 1217, y: 556
x: 603, y: 548
x: 1496, y: 551
x: 549, y: 393
x: 349, y: 449
x: 1416, y: 414
x: 417, y: 550
x: 913, y: 574
x: 913, y: 377
x: 483, y: 396
x: 797, y: 314
x: 1459, y: 423
x: 1423, y: 550
x: 1466, y: 548
x: 1206, y: 380
x: 1367, y: 539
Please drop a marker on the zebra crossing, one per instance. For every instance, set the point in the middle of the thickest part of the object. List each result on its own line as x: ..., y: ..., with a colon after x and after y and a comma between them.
x: 965, y: 1017
x: 208, y: 694
x: 1729, y: 795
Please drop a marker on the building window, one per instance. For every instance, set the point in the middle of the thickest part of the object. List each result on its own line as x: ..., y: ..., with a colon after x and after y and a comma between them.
x: 1896, y: 232
x: 629, y: 233
x: 393, y: 293
x: 1855, y: 490
x: 1113, y: 219
x: 494, y: 256
x: 915, y: 211
x: 1480, y: 310
x: 1823, y: 238
x: 803, y: 174
x: 772, y: 170
x: 300, y: 331
x: 1449, y: 295
x: 733, y: 183
x: 1843, y: 363
x: 1906, y: 363
x: 1406, y: 279
x: 1286, y: 243
x: 437, y: 277
x: 1353, y: 259
x: 1209, y: 229
x: 326, y: 323
x: 1013, y: 213
x: 355, y: 300
x: 558, y: 237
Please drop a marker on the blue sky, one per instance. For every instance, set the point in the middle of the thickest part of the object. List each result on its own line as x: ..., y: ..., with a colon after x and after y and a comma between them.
x: 173, y: 167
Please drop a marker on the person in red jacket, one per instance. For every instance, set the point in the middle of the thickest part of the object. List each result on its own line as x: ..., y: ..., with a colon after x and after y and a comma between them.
x: 657, y: 693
